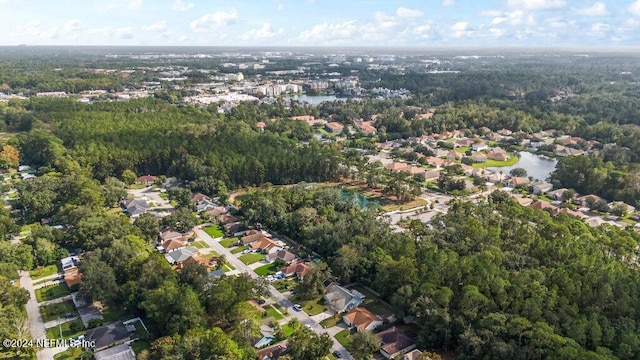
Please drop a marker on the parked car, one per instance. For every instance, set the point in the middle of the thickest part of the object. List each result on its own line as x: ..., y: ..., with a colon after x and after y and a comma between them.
x: 70, y: 315
x: 297, y: 307
x: 336, y: 354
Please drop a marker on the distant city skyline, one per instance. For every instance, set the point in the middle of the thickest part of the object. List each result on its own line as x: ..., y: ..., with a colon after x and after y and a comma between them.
x: 548, y: 23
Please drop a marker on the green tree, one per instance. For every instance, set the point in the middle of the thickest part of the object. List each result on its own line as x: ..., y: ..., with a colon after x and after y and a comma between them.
x: 313, y: 283
x: 98, y: 280
x: 113, y: 191
x: 129, y: 177
x: 364, y: 345
x: 306, y: 345
x: 148, y: 227
x: 518, y: 172
x: 173, y: 308
x: 181, y: 220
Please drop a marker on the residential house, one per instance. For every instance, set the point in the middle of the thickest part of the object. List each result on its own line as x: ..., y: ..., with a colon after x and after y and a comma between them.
x: 299, y: 270
x: 557, y: 194
x: 541, y: 205
x: 395, y: 342
x: 595, y: 221
x: 202, y: 202
x: 415, y: 170
x: 146, y: 180
x: 516, y: 181
x: 497, y: 154
x: 479, y: 157
x: 583, y: 200
x: 266, y: 245
x: 468, y: 170
x: 170, y: 234
x: 541, y: 187
x: 105, y: 336
x: 233, y: 227
x: 341, y: 300
x: 431, y: 175
x: 415, y: 355
x: 465, y: 142
x: 272, y: 352
x: 251, y: 236
x: 226, y: 219
x: 494, y: 177
x: 434, y: 161
x: 361, y: 319
x: 479, y: 146
x: 397, y: 166
x: 177, y: 257
x: 261, y: 125
x: 171, y: 244
x: 197, y: 259
x: 135, y: 207
x: 119, y: 352
x: 629, y: 209
x: 573, y: 213
x: 366, y: 127
x: 334, y: 127
x: 72, y: 274
x: 561, y: 150
x: 523, y: 201
x: 453, y: 155
x: 283, y: 255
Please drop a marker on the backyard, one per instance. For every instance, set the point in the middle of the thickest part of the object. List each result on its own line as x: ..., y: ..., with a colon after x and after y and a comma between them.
x: 373, y: 302
x: 58, y: 310
x: 272, y: 312
x: 495, y: 163
x: 345, y: 338
x: 249, y: 259
x: 52, y: 292
x: 239, y: 249
x: 69, y: 329
x: 214, y: 231
x: 284, y: 285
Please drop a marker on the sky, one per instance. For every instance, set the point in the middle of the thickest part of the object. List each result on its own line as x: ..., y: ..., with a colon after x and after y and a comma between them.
x: 442, y: 23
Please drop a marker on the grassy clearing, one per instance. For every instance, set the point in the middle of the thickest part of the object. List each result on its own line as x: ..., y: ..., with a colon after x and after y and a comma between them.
x: 200, y: 244
x: 404, y: 206
x: 164, y: 195
x: 112, y: 313
x: 43, y: 271
x: 228, y: 242
x: 52, y: 292
x: 228, y: 267
x: 495, y: 163
x: 463, y: 149
x: 345, y: 338
x: 214, y: 231
x: 331, y: 322
x: 272, y: 312
x: 239, y: 249
x: 72, y: 353
x: 373, y: 303
x: 249, y: 259
x: 137, y: 186
x: 69, y: 329
x: 55, y: 311
x: 287, y: 330
x: 268, y: 269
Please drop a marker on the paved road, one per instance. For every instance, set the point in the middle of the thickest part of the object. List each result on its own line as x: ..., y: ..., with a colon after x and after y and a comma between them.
x: 153, y: 196
x: 279, y: 298
x: 36, y: 325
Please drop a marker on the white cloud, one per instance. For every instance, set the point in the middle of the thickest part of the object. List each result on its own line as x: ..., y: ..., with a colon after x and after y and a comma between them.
x: 496, y: 32
x: 265, y: 32
x: 449, y: 2
x: 72, y: 25
x: 124, y: 32
x: 597, y: 9
x: 533, y: 5
x: 599, y: 27
x: 325, y: 31
x: 461, y: 28
x: 214, y: 20
x: 156, y: 26
x: 280, y: 7
x: 408, y: 13
x: 179, y: 5
x: 491, y: 13
x: 634, y: 8
x: 134, y: 4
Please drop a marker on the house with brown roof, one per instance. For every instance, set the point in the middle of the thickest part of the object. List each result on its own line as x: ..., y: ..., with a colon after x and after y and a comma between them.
x: 283, y: 255
x: 415, y: 355
x: 583, y: 200
x: 366, y: 127
x: 334, y: 127
x: 395, y: 342
x: 573, y: 213
x: 170, y: 234
x: 516, y: 181
x: 479, y: 157
x: 498, y: 155
x: 361, y: 319
x: 172, y: 244
x: 397, y: 166
x: 431, y: 175
x: 272, y: 352
x: 541, y: 205
x: 251, y: 236
x: 557, y: 194
x: 261, y: 125
x: 265, y: 245
x: 299, y: 270
x: 194, y: 258
x: 146, y: 179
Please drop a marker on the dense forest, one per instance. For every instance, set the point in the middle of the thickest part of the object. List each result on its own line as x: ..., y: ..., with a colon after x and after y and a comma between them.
x: 492, y: 280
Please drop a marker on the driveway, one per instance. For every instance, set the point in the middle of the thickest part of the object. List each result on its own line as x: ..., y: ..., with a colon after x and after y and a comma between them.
x: 153, y: 196
x: 279, y: 298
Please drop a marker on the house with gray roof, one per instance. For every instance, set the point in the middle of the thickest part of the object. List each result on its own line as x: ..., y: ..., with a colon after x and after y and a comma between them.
x: 105, y: 336
x: 340, y: 299
x: 135, y: 207
x: 180, y: 255
x: 120, y: 352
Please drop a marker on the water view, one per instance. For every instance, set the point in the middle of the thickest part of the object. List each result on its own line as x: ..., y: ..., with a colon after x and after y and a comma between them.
x: 538, y: 166
x: 362, y: 201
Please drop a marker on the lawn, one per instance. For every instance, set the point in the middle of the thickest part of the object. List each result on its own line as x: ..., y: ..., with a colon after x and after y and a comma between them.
x: 214, y: 231
x: 331, y: 322
x: 164, y: 195
x: 373, y: 303
x: 43, y: 271
x: 228, y: 267
x: 229, y: 242
x: 268, y: 269
x: 239, y: 249
x: 52, y: 292
x: 404, y: 205
x: 59, y: 310
x: 345, y: 338
x: 112, y: 313
x: 495, y: 163
x: 284, y: 285
x: 463, y: 149
x: 288, y: 330
x: 200, y: 244
x: 67, y: 332
x: 137, y: 186
x: 251, y: 258
x: 311, y: 307
x: 69, y: 354
x: 272, y: 312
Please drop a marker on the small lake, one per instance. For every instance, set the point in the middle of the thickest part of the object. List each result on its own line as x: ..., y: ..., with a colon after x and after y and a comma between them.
x: 359, y: 199
x: 314, y: 99
x: 538, y: 166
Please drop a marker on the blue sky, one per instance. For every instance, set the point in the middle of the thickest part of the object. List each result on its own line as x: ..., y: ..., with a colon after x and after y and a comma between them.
x: 321, y: 22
